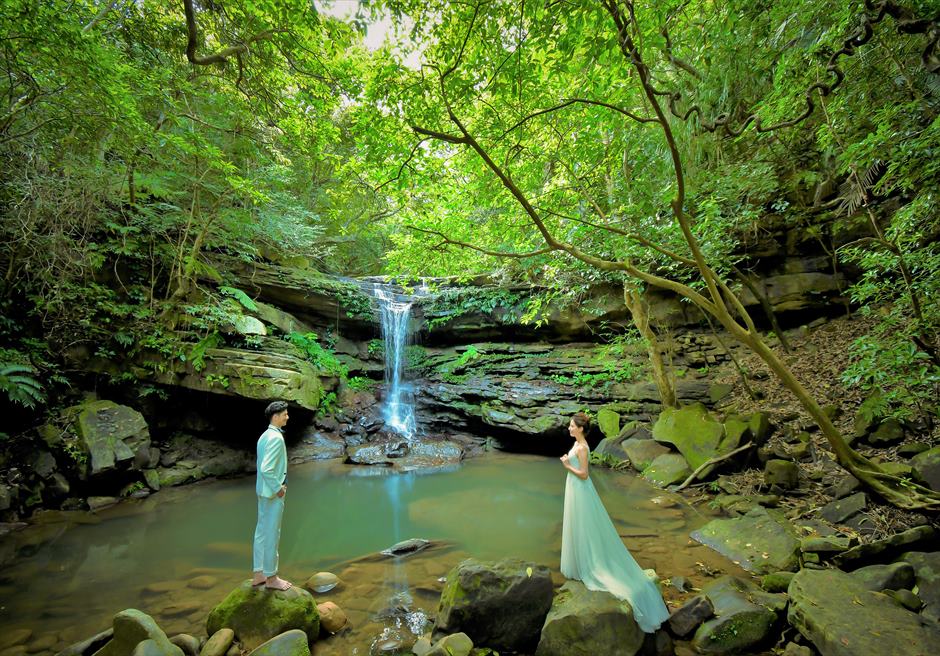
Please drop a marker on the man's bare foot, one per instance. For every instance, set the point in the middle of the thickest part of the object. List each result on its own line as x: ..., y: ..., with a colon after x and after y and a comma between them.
x: 277, y: 583
x: 258, y: 579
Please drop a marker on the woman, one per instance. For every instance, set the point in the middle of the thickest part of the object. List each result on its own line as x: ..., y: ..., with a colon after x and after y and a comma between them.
x: 591, y: 549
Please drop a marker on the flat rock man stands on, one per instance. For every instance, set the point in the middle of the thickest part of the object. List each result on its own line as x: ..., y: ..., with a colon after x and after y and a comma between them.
x: 270, y: 488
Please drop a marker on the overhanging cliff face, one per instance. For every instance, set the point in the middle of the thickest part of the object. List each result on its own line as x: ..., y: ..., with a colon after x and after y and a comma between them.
x: 523, y: 379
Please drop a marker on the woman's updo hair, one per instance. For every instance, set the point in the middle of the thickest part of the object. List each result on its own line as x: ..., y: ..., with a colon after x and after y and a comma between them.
x: 582, y: 421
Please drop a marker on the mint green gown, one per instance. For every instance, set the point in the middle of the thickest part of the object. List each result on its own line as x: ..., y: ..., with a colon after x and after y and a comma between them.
x: 593, y: 553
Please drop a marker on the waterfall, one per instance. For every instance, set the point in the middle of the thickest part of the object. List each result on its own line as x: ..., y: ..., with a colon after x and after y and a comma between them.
x: 395, y: 312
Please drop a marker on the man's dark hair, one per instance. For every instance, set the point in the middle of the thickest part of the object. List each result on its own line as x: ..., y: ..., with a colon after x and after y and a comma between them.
x: 273, y: 408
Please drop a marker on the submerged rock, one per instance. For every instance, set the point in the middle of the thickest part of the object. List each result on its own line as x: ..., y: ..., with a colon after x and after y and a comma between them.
x: 289, y: 643
x: 498, y: 604
x: 257, y: 615
x: 322, y: 582
x: 407, y: 547
x: 332, y: 617
x: 840, y: 617
x: 762, y: 541
x: 582, y: 622
x: 87, y: 646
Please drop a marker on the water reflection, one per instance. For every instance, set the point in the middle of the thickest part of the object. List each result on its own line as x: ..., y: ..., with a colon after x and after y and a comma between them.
x: 178, y: 553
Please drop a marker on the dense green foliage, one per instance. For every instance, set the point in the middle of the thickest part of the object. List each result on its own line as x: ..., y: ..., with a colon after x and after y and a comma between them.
x: 144, y: 154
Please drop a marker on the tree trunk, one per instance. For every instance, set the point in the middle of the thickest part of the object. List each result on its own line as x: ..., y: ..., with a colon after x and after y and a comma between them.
x: 634, y: 303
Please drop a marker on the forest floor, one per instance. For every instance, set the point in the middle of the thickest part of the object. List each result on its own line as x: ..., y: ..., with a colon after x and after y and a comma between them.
x: 818, y: 356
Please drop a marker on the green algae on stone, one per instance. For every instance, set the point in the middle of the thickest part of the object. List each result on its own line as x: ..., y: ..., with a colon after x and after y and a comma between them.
x: 582, y: 622
x: 257, y: 615
x: 744, y: 616
x: 692, y: 430
x: 840, y: 617
x: 667, y: 469
x: 499, y: 604
x: 762, y: 541
x: 609, y: 422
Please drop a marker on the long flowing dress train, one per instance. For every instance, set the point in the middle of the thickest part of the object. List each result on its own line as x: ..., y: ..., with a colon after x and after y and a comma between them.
x: 592, y: 552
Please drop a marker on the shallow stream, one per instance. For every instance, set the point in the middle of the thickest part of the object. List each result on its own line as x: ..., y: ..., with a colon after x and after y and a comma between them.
x: 178, y: 553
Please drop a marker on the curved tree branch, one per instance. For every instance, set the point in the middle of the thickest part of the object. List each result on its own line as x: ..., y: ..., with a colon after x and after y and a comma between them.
x: 583, y: 101
x: 192, y: 41
x: 445, y: 240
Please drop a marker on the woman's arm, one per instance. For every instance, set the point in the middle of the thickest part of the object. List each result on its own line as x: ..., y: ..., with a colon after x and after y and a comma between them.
x: 582, y: 454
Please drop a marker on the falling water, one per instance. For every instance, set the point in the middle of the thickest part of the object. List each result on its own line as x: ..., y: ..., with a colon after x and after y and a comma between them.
x: 399, y: 397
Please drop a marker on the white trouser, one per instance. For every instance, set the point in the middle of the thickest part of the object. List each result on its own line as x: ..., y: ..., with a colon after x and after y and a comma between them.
x: 267, y: 535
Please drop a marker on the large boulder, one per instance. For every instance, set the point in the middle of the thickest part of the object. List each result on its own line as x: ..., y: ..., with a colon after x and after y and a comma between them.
x: 316, y: 445
x: 609, y: 422
x: 744, y: 616
x: 500, y: 605
x: 840, y: 617
x: 762, y: 541
x: 692, y: 430
x: 114, y: 436
x: 927, y: 575
x: 667, y: 469
x: 927, y: 466
x: 256, y: 615
x: 582, y: 622
x: 641, y: 453
x: 133, y: 627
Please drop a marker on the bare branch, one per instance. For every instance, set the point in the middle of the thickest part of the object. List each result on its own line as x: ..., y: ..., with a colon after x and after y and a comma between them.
x: 584, y: 101
x: 445, y: 240
x: 403, y: 165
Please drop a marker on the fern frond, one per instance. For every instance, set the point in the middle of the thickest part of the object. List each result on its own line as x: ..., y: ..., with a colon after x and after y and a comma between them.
x: 20, y: 385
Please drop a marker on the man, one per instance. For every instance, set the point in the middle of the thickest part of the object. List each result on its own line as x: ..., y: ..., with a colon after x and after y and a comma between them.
x: 270, y: 488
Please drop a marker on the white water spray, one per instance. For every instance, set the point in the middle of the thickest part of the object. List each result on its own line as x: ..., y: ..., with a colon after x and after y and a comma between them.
x: 399, y: 409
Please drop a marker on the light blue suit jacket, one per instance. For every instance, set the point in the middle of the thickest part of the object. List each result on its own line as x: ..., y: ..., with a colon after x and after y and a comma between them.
x: 272, y: 463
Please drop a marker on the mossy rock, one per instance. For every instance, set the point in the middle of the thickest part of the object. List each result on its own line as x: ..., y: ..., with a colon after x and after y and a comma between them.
x: 289, y: 643
x: 113, y: 436
x: 692, y: 430
x: 256, y: 615
x: 762, y: 541
x: 609, y: 422
x: 498, y: 604
x: 927, y: 466
x: 133, y: 627
x: 582, y: 622
x: 840, y: 617
x: 642, y: 453
x: 667, y: 469
x: 744, y: 616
